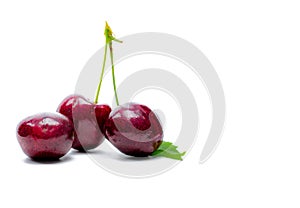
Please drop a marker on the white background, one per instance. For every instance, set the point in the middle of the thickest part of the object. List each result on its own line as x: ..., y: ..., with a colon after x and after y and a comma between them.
x: 254, y: 47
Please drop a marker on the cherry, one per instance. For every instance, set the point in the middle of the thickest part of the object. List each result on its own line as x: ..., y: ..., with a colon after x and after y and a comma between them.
x: 102, y: 113
x: 134, y: 129
x: 89, y: 117
x: 86, y: 125
x: 45, y: 136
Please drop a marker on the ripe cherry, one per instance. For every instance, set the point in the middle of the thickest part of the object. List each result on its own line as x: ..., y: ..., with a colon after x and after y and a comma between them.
x: 134, y: 129
x: 45, y: 136
x: 83, y: 115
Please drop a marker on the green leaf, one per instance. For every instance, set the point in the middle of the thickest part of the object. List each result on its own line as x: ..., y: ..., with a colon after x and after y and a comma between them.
x: 169, y: 150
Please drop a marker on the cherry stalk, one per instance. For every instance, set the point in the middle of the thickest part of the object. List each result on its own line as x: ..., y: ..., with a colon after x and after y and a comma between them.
x: 108, y: 42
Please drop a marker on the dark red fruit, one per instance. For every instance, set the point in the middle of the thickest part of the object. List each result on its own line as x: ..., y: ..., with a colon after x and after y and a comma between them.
x: 45, y: 136
x: 83, y: 115
x: 134, y: 129
x: 102, y: 113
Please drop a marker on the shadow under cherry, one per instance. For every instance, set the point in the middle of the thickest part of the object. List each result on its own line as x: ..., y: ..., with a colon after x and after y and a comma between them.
x: 64, y: 159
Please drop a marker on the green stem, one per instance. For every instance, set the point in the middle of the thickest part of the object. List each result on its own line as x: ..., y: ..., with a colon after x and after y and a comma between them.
x: 101, y: 76
x: 113, y: 71
x: 108, y: 40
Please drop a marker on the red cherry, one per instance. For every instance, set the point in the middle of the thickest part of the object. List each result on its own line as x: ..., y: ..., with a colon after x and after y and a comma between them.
x: 45, y: 136
x: 83, y: 114
x: 134, y: 129
x: 102, y: 114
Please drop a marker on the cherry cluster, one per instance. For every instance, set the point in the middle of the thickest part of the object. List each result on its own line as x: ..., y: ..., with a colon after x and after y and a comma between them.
x: 132, y: 128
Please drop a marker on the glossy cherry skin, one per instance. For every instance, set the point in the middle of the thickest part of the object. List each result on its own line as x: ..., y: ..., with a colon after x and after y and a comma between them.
x: 45, y: 136
x: 134, y: 129
x: 102, y: 114
x: 83, y: 115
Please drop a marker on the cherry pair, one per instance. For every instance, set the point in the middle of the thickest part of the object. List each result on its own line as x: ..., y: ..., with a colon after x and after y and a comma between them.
x: 49, y: 136
x: 132, y: 128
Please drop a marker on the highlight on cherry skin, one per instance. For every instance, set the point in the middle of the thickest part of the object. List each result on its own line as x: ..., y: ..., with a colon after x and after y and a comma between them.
x: 45, y: 136
x: 87, y: 119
